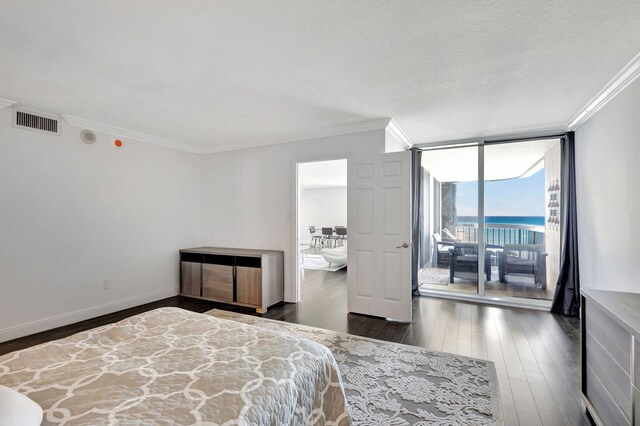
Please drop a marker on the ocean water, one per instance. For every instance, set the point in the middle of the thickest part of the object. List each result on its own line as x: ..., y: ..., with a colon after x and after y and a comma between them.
x: 511, y: 220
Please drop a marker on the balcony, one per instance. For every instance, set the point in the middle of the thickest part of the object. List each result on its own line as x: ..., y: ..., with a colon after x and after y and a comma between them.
x: 436, y: 275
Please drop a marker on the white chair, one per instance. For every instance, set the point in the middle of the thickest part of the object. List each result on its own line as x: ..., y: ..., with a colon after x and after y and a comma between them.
x: 336, y: 255
x: 18, y: 409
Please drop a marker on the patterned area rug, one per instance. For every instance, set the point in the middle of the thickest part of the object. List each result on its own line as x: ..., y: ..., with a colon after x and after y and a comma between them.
x: 392, y: 384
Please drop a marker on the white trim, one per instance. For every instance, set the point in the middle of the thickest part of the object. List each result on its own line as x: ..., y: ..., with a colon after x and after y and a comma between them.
x: 295, y: 252
x: 6, y: 103
x: 401, y: 136
x: 481, y: 225
x: 81, y: 315
x: 625, y: 77
x: 124, y: 133
x: 295, y: 265
x: 341, y: 129
x: 514, y: 302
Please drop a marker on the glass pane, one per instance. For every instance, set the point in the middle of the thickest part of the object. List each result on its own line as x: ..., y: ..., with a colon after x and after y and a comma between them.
x: 522, y: 182
x: 448, y: 260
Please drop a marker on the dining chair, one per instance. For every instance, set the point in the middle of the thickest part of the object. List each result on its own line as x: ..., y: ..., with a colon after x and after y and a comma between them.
x: 314, y: 238
x: 341, y: 234
x: 327, y: 236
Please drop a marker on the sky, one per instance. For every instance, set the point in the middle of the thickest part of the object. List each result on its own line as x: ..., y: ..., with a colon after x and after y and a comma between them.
x: 512, y: 197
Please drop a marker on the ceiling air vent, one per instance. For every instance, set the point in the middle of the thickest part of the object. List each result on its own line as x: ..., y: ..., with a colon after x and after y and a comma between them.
x: 33, y: 120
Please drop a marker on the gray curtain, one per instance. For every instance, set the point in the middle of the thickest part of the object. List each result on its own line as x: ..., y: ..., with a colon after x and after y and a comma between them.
x: 566, y: 300
x: 416, y: 216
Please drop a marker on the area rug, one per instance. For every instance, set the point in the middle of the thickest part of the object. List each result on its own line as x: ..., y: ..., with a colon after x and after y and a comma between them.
x: 319, y: 264
x: 393, y: 384
x: 437, y: 276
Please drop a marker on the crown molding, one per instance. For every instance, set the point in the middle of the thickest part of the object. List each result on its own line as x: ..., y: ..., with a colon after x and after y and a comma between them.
x: 6, y: 103
x: 397, y: 132
x: 617, y: 84
x: 340, y: 129
x: 128, y: 134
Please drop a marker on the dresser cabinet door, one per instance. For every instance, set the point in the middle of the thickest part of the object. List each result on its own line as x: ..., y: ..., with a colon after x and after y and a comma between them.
x: 190, y: 278
x: 249, y: 282
x: 217, y: 282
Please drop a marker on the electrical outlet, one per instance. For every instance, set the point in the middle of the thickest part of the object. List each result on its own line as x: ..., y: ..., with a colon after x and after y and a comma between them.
x: 106, y: 284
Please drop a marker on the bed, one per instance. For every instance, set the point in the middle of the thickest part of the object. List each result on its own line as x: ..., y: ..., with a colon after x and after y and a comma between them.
x: 171, y: 366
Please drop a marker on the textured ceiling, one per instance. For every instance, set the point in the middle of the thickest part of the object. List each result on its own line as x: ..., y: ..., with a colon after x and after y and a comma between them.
x: 212, y: 72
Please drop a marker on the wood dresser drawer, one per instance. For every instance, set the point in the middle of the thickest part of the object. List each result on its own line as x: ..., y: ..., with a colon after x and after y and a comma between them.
x: 610, y: 335
x: 636, y: 364
x: 636, y: 414
x: 605, y: 406
x: 610, y: 374
x: 610, y: 356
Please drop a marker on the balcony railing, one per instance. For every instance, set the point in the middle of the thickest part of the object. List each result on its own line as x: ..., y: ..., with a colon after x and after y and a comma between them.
x: 502, y: 233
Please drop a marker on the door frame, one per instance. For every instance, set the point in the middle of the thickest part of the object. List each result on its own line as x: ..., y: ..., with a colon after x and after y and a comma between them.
x: 481, y: 296
x: 295, y: 217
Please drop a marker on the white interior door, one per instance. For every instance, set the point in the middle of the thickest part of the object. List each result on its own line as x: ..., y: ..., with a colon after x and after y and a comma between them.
x: 379, y: 223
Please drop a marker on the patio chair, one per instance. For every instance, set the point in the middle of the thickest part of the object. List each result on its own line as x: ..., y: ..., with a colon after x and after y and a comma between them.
x: 441, y: 250
x: 523, y: 259
x: 448, y: 235
x: 463, y: 262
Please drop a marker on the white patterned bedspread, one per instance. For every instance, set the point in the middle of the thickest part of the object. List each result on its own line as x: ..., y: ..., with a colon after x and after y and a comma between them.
x: 171, y: 366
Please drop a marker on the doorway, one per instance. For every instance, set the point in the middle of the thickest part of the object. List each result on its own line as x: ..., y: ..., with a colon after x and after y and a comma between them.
x: 321, y: 229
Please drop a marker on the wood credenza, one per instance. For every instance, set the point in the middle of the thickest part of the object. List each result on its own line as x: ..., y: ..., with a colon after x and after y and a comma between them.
x: 244, y: 277
x: 611, y: 356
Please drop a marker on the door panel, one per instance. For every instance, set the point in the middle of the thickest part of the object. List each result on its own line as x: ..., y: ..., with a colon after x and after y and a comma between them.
x: 364, y: 266
x: 392, y: 263
x: 365, y: 213
x: 392, y: 198
x: 379, y: 213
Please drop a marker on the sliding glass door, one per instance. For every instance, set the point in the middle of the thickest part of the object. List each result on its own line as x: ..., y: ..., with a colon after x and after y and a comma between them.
x: 491, y: 220
x: 522, y: 237
x: 450, y: 210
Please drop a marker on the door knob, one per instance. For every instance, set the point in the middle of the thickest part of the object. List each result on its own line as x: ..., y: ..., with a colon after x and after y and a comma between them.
x: 404, y: 245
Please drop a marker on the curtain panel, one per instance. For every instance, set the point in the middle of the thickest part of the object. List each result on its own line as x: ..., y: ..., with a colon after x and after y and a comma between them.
x: 566, y: 300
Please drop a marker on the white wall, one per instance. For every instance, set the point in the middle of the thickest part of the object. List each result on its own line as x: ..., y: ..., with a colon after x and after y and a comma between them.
x: 248, y: 195
x: 73, y: 214
x: 608, y: 194
x: 321, y: 207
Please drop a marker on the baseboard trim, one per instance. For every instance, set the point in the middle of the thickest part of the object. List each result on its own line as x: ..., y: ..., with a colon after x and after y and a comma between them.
x: 81, y: 315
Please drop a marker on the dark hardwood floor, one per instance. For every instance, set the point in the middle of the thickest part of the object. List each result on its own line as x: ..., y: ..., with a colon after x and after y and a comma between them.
x: 537, y: 355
